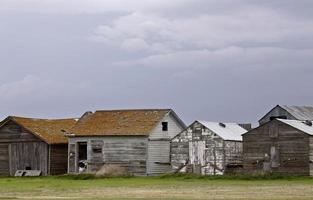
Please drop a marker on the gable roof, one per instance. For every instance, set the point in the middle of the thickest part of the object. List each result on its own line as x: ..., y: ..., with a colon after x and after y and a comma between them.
x: 120, y: 122
x: 231, y: 131
x: 298, y: 112
x: 300, y: 125
x: 52, y: 131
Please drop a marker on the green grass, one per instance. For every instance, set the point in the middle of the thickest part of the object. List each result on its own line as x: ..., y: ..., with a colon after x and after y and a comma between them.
x: 163, y: 187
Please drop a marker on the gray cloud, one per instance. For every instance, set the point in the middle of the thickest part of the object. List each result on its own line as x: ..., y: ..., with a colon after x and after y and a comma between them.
x: 211, y: 60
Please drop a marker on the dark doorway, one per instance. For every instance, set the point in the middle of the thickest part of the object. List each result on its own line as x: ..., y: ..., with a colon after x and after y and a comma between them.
x: 82, y: 151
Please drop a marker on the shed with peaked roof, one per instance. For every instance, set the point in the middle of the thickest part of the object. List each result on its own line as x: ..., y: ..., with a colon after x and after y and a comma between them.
x: 280, y: 146
x: 133, y: 140
x: 207, y: 148
x: 288, y: 112
x: 34, y: 144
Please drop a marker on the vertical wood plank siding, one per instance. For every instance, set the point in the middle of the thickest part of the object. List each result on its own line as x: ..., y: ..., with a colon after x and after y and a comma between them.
x: 311, y: 156
x: 58, y: 159
x: 21, y: 149
x: 290, y: 145
x: 31, y: 154
x: 4, y: 160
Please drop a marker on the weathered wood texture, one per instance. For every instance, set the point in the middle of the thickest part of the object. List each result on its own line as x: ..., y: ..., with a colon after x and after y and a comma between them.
x: 20, y: 149
x: 276, y: 147
x: 4, y: 160
x: 159, y: 146
x: 275, y: 112
x: 127, y: 152
x: 158, y: 157
x: 58, y: 159
x: 28, y: 155
x: 311, y: 156
x: 199, y: 150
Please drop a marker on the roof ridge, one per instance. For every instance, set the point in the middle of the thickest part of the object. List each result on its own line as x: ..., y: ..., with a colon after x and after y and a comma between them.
x: 139, y: 109
x: 31, y: 118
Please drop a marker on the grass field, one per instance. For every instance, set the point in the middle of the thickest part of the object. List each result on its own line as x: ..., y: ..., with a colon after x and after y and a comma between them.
x: 180, y: 187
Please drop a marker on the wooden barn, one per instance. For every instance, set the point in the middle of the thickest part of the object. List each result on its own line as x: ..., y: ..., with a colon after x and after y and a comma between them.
x: 279, y: 146
x: 137, y: 141
x: 288, y: 112
x: 207, y: 148
x: 33, y: 144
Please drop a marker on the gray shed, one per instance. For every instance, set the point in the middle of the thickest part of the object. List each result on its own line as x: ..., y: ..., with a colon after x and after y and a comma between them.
x: 280, y: 146
x: 288, y: 112
x: 34, y: 144
x: 136, y: 140
x: 207, y: 148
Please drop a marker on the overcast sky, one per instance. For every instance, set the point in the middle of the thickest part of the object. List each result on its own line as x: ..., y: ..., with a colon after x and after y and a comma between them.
x: 213, y: 60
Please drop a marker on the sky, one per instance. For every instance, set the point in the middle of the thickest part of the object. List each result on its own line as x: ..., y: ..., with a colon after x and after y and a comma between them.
x: 213, y: 60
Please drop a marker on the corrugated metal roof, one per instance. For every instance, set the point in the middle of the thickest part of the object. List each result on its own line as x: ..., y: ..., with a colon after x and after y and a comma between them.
x: 300, y: 125
x: 52, y: 131
x: 231, y: 131
x: 300, y: 112
x: 119, y: 122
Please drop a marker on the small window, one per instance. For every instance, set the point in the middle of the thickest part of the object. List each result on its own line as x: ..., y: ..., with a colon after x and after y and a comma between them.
x: 96, y: 150
x: 164, y: 126
x: 28, y: 168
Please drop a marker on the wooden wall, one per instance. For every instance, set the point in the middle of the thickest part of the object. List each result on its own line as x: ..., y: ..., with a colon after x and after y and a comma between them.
x: 4, y: 160
x: 159, y: 146
x: 58, y: 159
x: 276, y: 147
x: 311, y: 155
x: 199, y: 150
x: 128, y: 152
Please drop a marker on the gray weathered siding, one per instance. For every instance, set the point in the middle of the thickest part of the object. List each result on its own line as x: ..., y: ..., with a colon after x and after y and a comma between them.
x: 4, y: 160
x: 129, y: 152
x: 276, y: 147
x: 311, y: 156
x: 32, y: 154
x: 277, y: 111
x: 199, y: 150
x: 158, y: 157
x: 159, y: 146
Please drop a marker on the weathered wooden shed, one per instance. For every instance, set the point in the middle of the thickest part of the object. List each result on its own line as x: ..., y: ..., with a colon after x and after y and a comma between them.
x: 288, y: 112
x: 207, y: 148
x: 279, y: 146
x: 136, y: 140
x: 33, y: 144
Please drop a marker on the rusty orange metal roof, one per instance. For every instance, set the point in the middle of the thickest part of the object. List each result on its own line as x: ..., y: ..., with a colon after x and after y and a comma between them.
x: 52, y: 131
x: 119, y: 122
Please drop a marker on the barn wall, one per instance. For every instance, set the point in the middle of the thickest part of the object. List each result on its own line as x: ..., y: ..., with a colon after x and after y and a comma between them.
x: 174, y: 128
x: 129, y: 152
x: 311, y: 156
x: 199, y: 150
x: 276, y: 147
x: 4, y: 160
x: 277, y: 111
x: 58, y: 159
x: 158, y: 157
x: 28, y: 154
x: 21, y: 149
x: 159, y: 146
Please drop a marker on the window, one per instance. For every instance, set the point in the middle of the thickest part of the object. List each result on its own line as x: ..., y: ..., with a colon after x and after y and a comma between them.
x: 97, y: 150
x: 28, y: 168
x: 164, y: 126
